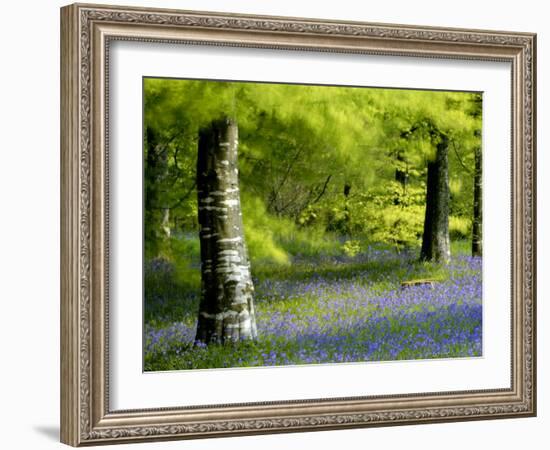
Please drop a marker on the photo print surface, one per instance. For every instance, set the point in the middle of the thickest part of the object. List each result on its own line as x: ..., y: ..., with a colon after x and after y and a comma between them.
x: 290, y: 224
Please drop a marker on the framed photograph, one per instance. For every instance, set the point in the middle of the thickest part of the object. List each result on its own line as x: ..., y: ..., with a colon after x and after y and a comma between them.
x: 274, y: 224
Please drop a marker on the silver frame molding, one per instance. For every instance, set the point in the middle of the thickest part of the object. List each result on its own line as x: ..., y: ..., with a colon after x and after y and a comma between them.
x: 86, y: 31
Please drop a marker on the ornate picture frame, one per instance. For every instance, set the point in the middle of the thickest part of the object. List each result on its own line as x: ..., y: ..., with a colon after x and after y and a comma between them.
x: 87, y: 31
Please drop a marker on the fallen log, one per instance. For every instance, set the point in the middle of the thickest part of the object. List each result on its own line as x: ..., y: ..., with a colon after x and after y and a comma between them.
x: 410, y: 283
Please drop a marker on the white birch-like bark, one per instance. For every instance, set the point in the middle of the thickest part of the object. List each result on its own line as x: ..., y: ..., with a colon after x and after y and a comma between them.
x: 226, y: 311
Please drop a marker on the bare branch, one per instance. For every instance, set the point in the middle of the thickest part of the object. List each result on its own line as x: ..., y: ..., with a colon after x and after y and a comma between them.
x: 184, y: 197
x: 460, y: 159
x: 275, y: 192
x: 322, y: 190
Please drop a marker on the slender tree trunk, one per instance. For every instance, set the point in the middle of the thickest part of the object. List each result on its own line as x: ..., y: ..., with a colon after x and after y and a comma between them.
x: 166, y: 222
x: 402, y: 174
x: 477, y: 247
x: 435, y: 241
x: 402, y: 177
x: 226, y: 311
x: 347, y: 212
x: 157, y: 229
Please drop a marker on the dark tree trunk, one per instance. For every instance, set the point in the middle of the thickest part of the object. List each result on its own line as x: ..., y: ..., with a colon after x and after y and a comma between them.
x: 435, y: 241
x: 226, y: 311
x: 402, y: 174
x: 156, y: 216
x: 477, y: 247
x: 347, y: 212
x: 402, y: 177
x: 347, y: 190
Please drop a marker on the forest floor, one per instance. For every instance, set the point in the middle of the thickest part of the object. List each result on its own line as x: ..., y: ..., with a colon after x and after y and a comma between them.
x: 328, y: 309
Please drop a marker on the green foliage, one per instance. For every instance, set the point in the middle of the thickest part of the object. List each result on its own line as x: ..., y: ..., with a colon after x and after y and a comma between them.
x: 392, y: 215
x: 351, y: 248
x: 399, y: 227
x: 329, y: 177
x: 275, y: 240
x: 460, y: 227
x: 263, y: 233
x: 299, y: 146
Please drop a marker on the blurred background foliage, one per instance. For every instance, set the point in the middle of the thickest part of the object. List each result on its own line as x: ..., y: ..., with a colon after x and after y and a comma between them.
x: 323, y: 169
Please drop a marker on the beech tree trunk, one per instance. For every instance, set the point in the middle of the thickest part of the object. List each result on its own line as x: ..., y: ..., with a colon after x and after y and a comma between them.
x: 435, y: 240
x: 226, y: 311
x: 477, y: 246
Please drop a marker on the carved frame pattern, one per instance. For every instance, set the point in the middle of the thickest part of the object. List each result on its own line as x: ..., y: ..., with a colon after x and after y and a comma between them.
x: 85, y: 416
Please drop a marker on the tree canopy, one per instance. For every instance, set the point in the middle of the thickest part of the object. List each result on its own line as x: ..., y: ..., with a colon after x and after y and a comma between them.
x: 313, y: 160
